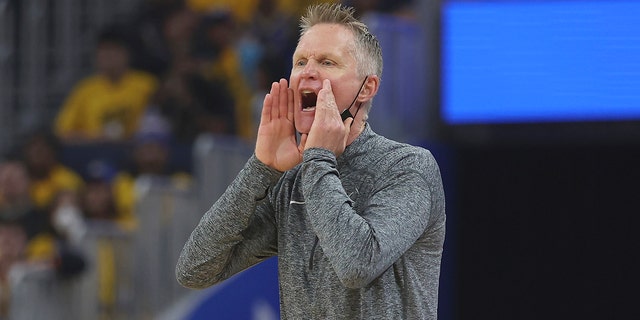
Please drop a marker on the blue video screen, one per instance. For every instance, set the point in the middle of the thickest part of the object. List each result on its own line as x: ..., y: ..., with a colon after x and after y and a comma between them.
x: 540, y: 61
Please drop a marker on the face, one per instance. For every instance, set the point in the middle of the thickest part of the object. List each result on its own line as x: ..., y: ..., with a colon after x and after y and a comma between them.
x: 39, y: 157
x: 14, y: 182
x: 324, y: 52
x: 151, y: 157
x: 98, y: 200
x: 111, y: 59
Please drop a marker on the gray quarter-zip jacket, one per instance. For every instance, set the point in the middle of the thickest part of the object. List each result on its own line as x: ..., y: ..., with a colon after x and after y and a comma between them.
x: 358, y: 237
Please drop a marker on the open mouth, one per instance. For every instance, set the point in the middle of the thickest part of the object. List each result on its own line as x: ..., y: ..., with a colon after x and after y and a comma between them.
x: 308, y: 100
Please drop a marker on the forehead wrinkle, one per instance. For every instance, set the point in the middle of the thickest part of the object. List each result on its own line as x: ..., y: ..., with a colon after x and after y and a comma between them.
x: 338, y: 33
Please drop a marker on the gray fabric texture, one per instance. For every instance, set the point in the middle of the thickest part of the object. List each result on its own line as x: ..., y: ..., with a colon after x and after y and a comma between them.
x: 377, y: 214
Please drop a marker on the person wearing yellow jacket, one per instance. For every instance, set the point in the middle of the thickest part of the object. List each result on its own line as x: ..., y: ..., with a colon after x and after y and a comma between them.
x: 48, y: 175
x: 107, y: 105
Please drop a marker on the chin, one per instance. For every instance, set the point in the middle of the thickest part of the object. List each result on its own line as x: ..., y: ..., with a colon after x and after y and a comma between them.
x: 303, y: 129
x: 303, y: 126
x: 304, y: 121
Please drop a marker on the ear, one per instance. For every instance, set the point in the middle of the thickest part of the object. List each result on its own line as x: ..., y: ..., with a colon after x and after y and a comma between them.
x: 369, y: 89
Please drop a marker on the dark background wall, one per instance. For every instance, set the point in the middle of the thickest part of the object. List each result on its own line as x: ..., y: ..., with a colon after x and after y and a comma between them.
x: 542, y: 216
x: 546, y: 232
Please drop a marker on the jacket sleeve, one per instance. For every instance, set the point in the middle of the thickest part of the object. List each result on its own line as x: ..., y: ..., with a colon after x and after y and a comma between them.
x: 66, y: 121
x: 362, y: 246
x: 237, y: 232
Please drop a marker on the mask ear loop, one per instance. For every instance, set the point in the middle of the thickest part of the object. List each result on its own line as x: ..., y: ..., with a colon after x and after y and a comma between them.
x: 346, y: 113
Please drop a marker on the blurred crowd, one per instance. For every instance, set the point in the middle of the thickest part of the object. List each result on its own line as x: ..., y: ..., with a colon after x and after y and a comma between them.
x: 179, y: 69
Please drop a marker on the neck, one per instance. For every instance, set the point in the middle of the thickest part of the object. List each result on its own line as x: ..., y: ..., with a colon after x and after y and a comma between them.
x: 114, y: 76
x: 356, y: 129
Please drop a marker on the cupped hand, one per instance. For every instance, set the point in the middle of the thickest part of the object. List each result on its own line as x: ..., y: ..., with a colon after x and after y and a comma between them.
x: 328, y: 131
x: 276, y: 144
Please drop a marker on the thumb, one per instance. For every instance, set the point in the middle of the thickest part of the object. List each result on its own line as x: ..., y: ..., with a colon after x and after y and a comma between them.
x: 347, y: 123
x: 303, y: 141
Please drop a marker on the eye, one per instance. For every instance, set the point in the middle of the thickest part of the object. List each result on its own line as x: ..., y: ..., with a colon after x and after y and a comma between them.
x: 327, y: 62
x: 300, y: 63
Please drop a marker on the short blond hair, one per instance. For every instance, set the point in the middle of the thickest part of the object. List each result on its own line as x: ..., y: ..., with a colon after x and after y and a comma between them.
x: 366, y: 49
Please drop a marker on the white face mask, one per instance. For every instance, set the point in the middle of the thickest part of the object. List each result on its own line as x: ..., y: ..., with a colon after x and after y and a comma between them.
x: 67, y: 219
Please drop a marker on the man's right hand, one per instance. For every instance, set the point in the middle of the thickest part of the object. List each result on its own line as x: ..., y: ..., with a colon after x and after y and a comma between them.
x: 276, y: 144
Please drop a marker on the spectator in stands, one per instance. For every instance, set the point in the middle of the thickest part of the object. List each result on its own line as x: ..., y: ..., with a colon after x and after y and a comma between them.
x: 357, y: 220
x: 67, y: 217
x: 48, y: 175
x: 242, y: 11
x: 216, y: 47
x: 163, y: 30
x: 97, y: 200
x: 46, y: 231
x: 12, y: 247
x: 193, y: 104
x: 16, y: 204
x: 20, y: 218
x: 266, y: 70
x: 26, y: 232
x: 275, y: 30
x: 106, y: 106
x: 150, y: 163
x: 93, y: 209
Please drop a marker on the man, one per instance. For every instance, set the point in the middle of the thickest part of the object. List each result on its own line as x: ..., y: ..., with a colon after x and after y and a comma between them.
x: 357, y: 220
x: 107, y: 105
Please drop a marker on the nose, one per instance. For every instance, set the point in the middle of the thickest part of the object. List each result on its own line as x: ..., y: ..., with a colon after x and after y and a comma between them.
x: 310, y: 70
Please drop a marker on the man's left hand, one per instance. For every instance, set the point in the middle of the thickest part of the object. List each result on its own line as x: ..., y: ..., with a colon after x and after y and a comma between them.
x: 328, y: 131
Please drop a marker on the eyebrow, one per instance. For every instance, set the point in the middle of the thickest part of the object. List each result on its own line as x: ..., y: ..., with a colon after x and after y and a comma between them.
x: 318, y: 57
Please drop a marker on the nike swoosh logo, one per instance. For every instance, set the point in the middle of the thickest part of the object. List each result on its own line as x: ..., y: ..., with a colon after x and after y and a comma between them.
x: 296, y: 202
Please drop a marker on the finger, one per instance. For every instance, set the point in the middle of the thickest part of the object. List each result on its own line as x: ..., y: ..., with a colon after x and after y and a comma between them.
x: 348, y: 122
x: 303, y: 142
x: 326, y: 100
x: 275, y: 97
x: 326, y: 84
x: 266, y: 109
x: 284, y: 98
x: 290, y: 105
